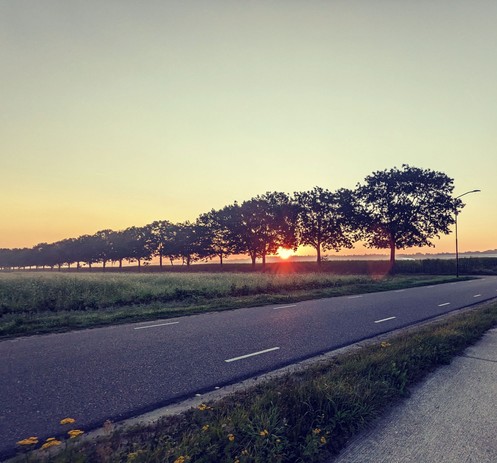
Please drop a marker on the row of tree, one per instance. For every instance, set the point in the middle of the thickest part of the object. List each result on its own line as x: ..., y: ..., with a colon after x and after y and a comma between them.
x: 392, y: 209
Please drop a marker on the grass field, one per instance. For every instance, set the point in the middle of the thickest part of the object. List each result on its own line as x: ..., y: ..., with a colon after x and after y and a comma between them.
x: 303, y: 417
x: 41, y: 302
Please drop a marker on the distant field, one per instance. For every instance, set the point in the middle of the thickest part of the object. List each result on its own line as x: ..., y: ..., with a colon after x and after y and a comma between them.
x: 377, y: 268
x: 41, y: 302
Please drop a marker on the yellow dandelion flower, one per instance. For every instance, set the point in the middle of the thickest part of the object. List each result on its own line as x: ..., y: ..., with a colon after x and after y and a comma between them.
x: 264, y: 433
x: 205, y: 427
x: 67, y: 421
x: 316, y: 431
x: 29, y: 441
x: 385, y: 344
x: 51, y: 443
x: 323, y: 440
x: 73, y: 433
x: 180, y: 459
x: 231, y: 437
x: 202, y: 407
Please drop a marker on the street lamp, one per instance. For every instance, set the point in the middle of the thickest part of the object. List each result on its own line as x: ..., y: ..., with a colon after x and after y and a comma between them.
x: 457, y: 246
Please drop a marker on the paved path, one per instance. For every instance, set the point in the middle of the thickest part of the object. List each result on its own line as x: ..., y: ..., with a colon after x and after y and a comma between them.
x: 449, y: 418
x: 122, y: 371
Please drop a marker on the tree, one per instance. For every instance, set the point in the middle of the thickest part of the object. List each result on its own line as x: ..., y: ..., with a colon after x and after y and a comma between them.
x: 262, y: 224
x: 325, y: 219
x: 188, y: 242
x: 217, y: 240
x: 64, y: 252
x: 119, y: 244
x: 138, y: 244
x: 402, y: 208
x: 162, y: 239
x: 87, y: 250
x: 45, y: 254
x: 102, y: 246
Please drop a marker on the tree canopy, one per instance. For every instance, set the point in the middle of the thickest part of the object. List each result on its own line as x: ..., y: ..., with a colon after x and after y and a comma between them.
x: 402, y: 208
x: 325, y: 219
x: 263, y: 224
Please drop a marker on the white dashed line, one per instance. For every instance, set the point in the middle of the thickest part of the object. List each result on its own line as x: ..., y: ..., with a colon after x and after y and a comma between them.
x: 445, y: 303
x: 384, y: 319
x: 284, y: 306
x: 477, y: 295
x: 399, y: 290
x: 153, y: 326
x: 355, y: 297
x: 234, y: 359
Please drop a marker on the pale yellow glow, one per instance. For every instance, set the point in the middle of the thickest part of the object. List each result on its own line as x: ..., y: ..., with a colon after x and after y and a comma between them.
x: 285, y: 253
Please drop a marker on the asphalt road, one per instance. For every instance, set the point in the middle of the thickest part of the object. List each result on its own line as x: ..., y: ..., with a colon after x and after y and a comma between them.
x: 122, y: 371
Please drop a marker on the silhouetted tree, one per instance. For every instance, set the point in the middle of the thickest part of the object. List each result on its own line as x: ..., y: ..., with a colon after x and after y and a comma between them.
x: 402, y: 208
x: 87, y: 249
x: 216, y: 236
x: 162, y: 240
x: 138, y: 242
x: 188, y: 242
x: 102, y: 246
x: 118, y: 247
x: 325, y: 219
x: 262, y: 224
x: 64, y: 251
x: 44, y: 255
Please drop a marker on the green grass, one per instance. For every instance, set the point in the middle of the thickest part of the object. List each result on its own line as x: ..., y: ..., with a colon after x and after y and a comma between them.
x: 47, y: 302
x: 302, y: 417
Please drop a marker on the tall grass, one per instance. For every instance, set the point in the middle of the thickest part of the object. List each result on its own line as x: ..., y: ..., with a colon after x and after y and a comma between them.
x: 47, y: 292
x: 46, y: 302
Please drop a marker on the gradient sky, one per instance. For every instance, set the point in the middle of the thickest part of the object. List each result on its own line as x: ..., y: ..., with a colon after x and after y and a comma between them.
x: 117, y: 113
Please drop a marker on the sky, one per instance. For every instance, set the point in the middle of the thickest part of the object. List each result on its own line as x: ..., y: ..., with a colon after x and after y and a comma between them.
x: 117, y: 113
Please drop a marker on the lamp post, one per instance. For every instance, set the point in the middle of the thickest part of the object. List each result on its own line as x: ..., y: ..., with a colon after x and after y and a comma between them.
x: 457, y: 245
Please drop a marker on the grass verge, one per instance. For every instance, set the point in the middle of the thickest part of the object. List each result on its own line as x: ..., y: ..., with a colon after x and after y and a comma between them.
x: 301, y: 417
x: 43, y: 303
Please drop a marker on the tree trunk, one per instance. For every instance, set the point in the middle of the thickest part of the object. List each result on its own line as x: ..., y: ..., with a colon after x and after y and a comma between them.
x: 263, y: 261
x: 139, y: 264
x: 120, y: 264
x: 104, y: 263
x: 160, y: 260
x: 392, y: 254
x: 253, y: 257
x: 318, y: 249
x: 221, y: 259
x: 188, y: 260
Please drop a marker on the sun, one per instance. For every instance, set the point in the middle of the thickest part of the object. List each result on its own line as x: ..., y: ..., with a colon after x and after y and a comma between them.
x: 285, y: 253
